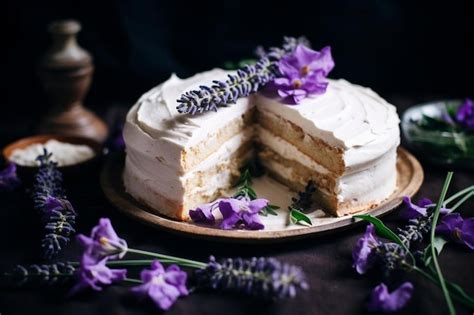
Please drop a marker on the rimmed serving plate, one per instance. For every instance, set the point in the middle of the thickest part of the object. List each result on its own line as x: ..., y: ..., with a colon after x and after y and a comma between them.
x: 409, y: 180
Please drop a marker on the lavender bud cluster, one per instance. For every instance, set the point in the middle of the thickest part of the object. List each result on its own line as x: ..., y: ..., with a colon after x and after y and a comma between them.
x: 247, y: 80
x: 262, y: 277
x: 415, y: 229
x: 41, y: 274
x: 392, y: 256
x: 56, y: 211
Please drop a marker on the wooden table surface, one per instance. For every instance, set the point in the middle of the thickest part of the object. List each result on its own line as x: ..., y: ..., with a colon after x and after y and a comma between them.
x: 335, y: 288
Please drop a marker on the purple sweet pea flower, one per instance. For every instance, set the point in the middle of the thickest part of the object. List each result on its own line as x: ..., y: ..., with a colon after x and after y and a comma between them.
x: 236, y: 211
x: 203, y: 213
x: 413, y: 211
x: 304, y: 74
x: 103, y: 242
x: 458, y: 229
x: 465, y: 114
x: 162, y: 286
x: 9, y: 180
x: 383, y: 301
x: 94, y: 274
x: 363, y: 254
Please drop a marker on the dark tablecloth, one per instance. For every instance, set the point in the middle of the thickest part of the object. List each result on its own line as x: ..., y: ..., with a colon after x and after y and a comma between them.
x: 335, y: 288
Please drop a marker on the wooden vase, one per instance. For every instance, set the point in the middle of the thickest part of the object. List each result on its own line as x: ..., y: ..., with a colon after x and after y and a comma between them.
x: 66, y: 74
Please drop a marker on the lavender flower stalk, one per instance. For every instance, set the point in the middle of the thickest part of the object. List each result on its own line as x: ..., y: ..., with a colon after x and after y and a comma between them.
x: 56, y: 211
x: 266, y: 277
x: 248, y: 79
x: 41, y: 274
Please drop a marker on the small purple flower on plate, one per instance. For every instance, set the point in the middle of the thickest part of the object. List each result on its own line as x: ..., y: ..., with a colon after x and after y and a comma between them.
x: 465, y: 114
x: 9, y: 180
x: 95, y: 274
x: 459, y: 229
x: 162, y: 286
x: 103, y: 242
x: 363, y: 253
x: 241, y: 211
x: 304, y: 74
x: 203, y: 213
x: 383, y: 301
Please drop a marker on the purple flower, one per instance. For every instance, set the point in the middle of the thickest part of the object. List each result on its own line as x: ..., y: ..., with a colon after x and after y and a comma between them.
x: 103, y: 242
x: 383, y: 301
x: 465, y: 114
x: 9, y: 180
x: 414, y: 211
x: 162, y: 286
x: 203, y: 213
x: 94, y: 274
x: 458, y: 229
x: 241, y: 211
x: 363, y: 253
x: 304, y: 73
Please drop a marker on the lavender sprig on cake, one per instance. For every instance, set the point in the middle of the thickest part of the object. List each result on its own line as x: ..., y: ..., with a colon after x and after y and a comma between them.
x: 56, y: 211
x: 247, y: 80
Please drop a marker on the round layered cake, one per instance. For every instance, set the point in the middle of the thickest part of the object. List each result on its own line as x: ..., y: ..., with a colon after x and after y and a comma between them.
x: 344, y: 140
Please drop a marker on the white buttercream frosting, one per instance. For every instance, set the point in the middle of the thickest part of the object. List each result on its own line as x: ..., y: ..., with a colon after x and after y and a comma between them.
x: 347, y: 116
x: 350, y: 117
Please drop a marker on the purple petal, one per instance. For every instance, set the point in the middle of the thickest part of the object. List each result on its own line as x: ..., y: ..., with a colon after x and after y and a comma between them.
x: 382, y: 300
x: 424, y: 202
x: 162, y: 287
x: 290, y: 67
x: 9, y: 180
x: 465, y: 114
x: 467, y: 231
x: 252, y: 221
x: 203, y: 213
x: 411, y: 210
x: 257, y: 205
x: 449, y: 223
x: 230, y: 206
x: 229, y: 222
x: 362, y: 255
x: 324, y: 61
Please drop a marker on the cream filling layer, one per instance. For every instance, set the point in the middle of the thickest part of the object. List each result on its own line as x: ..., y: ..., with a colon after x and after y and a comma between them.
x: 375, y: 181
x: 167, y: 182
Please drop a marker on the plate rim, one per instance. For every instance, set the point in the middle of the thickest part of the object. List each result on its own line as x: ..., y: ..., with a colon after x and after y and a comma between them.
x: 125, y: 203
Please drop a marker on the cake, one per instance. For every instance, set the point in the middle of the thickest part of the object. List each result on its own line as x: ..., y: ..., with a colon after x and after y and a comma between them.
x: 344, y: 140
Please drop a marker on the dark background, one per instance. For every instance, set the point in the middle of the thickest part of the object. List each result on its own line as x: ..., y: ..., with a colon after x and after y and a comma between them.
x: 398, y: 48
x: 408, y: 51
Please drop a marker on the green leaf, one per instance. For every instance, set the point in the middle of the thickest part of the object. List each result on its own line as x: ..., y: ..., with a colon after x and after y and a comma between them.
x: 270, y: 209
x: 298, y: 217
x: 381, y: 228
x: 434, y: 258
x: 439, y: 243
x: 468, y: 300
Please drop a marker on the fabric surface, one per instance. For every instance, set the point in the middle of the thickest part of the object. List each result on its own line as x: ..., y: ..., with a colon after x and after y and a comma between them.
x: 335, y: 288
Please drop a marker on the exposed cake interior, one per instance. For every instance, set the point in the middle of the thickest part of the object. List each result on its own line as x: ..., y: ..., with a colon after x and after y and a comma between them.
x: 345, y: 141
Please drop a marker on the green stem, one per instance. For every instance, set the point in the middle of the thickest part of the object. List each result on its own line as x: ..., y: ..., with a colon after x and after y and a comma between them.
x: 462, y: 297
x: 130, y: 280
x: 458, y: 194
x: 176, y: 260
x: 460, y: 202
x: 447, y: 297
